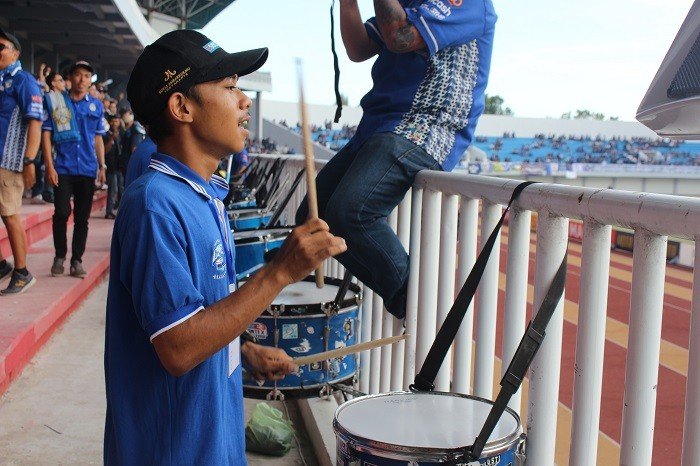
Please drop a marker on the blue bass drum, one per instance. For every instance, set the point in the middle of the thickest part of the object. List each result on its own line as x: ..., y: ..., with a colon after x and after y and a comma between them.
x: 251, y: 246
x: 248, y: 219
x: 302, y: 321
x: 423, y: 429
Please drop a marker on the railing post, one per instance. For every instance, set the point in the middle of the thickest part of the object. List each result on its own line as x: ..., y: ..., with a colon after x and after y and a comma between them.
x: 366, y: 335
x: 446, y: 282
x: 409, y: 368
x: 427, y: 294
x: 375, y: 354
x: 487, y: 307
x: 691, y: 428
x: 468, y: 227
x: 543, y: 396
x: 403, y: 230
x: 515, y: 302
x: 642, y: 373
x: 590, y: 343
x: 387, y: 330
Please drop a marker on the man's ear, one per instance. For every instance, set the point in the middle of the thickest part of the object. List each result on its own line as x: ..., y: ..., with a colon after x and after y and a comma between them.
x: 180, y: 107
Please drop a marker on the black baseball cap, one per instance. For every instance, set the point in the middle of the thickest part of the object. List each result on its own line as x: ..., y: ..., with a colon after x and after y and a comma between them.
x: 81, y: 64
x: 179, y: 60
x: 15, y: 42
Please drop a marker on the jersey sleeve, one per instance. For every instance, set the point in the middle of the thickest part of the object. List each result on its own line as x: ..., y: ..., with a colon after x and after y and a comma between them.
x: 373, y: 31
x: 47, y: 125
x: 30, y: 99
x: 447, y: 23
x: 155, y: 270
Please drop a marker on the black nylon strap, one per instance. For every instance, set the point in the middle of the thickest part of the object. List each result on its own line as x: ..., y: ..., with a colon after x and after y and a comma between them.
x: 425, y: 378
x: 527, y: 349
x: 338, y: 99
x: 280, y: 209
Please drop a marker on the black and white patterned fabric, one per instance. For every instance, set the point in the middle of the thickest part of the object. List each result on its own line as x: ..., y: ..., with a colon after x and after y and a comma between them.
x: 15, y: 143
x: 444, y: 99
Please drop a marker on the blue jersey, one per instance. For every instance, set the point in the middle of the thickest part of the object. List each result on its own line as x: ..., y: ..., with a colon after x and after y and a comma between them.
x: 78, y: 157
x: 433, y: 97
x: 20, y: 99
x: 171, y: 257
x: 139, y: 160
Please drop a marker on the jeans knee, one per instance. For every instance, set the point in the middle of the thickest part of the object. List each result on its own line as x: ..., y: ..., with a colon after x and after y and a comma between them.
x: 339, y: 216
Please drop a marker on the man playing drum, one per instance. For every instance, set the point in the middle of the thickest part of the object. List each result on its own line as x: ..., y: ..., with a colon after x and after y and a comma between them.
x: 174, y: 315
x: 429, y: 81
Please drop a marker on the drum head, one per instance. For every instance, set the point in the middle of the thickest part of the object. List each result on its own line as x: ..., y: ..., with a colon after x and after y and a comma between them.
x: 423, y: 420
x: 307, y: 293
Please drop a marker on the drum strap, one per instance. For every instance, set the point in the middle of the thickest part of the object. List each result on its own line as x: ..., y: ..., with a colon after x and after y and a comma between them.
x: 425, y: 378
x: 527, y: 349
x: 280, y: 209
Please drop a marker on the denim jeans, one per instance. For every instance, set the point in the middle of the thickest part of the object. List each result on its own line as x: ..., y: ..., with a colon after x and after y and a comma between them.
x: 357, y: 189
x: 115, y: 189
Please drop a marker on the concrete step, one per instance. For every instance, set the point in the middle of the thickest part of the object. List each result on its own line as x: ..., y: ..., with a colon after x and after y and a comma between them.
x: 37, y: 221
x: 28, y: 320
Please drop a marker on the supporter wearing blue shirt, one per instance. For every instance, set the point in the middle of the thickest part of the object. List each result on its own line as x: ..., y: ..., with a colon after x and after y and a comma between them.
x: 73, y: 126
x: 240, y: 162
x: 20, y: 129
x: 139, y: 160
x: 429, y: 81
x: 172, y: 359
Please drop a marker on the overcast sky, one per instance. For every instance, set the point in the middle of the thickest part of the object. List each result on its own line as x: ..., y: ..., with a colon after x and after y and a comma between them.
x: 550, y: 56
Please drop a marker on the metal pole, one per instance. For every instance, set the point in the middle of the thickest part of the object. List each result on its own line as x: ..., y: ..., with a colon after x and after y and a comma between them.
x: 387, y: 330
x: 409, y: 368
x: 468, y: 227
x: 487, y: 309
x: 590, y: 343
x: 516, y: 290
x: 403, y: 230
x: 642, y: 373
x: 691, y: 428
x: 258, y: 116
x: 427, y: 294
x: 446, y: 282
x: 543, y: 397
x: 366, y: 335
x: 375, y: 354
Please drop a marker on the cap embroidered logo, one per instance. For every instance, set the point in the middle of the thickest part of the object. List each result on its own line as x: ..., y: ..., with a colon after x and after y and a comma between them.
x: 169, y: 74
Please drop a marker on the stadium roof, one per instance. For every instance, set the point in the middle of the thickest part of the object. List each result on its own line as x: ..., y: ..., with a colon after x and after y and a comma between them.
x: 110, y: 34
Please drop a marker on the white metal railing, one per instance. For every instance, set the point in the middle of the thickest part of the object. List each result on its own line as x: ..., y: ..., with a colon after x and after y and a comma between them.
x: 427, y: 224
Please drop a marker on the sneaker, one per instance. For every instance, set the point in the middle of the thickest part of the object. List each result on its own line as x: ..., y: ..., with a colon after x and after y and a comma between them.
x: 19, y: 284
x: 110, y: 216
x: 37, y: 200
x: 57, y: 269
x: 5, y: 271
x: 77, y: 270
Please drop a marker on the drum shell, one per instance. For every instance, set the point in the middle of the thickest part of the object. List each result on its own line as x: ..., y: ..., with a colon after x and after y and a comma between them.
x: 299, y: 329
x: 250, y: 251
x: 248, y: 219
x: 353, y: 450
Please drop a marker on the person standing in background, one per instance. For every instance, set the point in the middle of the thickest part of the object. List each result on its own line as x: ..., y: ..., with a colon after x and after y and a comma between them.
x: 73, y: 125
x: 21, y: 112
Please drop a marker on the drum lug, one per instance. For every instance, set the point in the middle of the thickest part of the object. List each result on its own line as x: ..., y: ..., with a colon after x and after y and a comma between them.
x: 325, y: 392
x: 358, y: 299
x: 275, y: 395
x: 330, y: 309
x: 520, y: 451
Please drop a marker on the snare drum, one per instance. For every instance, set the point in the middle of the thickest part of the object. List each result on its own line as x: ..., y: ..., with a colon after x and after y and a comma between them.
x: 248, y: 219
x: 423, y: 429
x: 302, y: 322
x: 251, y: 246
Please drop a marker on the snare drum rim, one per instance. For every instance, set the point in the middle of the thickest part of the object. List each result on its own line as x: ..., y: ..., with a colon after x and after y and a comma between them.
x: 317, y: 308
x: 271, y: 234
x: 403, y: 452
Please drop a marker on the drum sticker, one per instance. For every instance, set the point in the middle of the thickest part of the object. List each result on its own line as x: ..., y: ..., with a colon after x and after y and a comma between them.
x: 258, y: 330
x: 304, y: 347
x: 348, y: 328
x: 310, y: 330
x: 290, y: 332
x: 315, y: 366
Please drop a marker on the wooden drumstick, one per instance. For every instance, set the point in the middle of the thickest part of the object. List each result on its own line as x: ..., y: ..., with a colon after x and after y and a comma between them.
x: 310, y: 166
x: 340, y: 352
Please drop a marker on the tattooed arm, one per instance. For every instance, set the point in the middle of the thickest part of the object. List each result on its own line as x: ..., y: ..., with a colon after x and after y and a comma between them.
x: 399, y: 35
x: 357, y: 42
